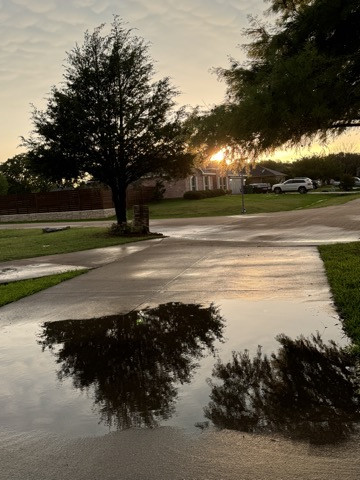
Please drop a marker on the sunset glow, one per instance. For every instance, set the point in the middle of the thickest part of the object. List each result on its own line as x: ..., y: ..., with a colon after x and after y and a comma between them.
x: 218, y: 156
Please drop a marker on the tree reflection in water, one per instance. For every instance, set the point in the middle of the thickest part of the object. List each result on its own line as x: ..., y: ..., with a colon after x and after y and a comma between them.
x: 134, y: 361
x: 308, y: 390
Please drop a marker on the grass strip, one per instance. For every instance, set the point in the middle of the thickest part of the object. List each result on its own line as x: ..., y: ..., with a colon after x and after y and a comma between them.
x: 342, y: 265
x: 13, y: 291
x: 31, y: 242
x: 254, y: 203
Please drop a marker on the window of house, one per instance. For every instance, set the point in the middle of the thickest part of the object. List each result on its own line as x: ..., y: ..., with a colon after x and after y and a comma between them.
x: 222, y: 183
x: 193, y: 183
x: 207, y: 182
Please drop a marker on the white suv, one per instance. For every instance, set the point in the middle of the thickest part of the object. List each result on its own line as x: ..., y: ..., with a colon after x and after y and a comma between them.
x: 301, y: 185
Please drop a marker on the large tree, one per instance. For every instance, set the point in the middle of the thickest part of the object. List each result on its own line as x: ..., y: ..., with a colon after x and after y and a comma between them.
x: 300, y: 81
x: 110, y: 119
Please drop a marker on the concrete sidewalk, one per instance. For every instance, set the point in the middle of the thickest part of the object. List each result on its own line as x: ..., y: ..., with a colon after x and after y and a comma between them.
x: 178, y: 270
x: 253, y: 263
x: 14, y: 270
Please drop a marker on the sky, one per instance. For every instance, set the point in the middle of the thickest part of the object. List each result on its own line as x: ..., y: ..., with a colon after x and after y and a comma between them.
x: 188, y: 38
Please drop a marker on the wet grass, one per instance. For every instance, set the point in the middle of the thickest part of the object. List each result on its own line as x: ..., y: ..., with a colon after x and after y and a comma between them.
x: 342, y: 264
x: 254, y: 203
x: 27, y: 243
x: 11, y: 292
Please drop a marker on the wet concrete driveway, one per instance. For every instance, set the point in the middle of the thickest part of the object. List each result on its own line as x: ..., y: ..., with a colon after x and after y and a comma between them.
x: 245, y: 281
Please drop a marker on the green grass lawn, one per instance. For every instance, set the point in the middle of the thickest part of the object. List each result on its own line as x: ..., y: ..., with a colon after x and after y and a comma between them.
x: 254, y: 203
x: 342, y: 264
x: 27, y: 243
x: 11, y: 292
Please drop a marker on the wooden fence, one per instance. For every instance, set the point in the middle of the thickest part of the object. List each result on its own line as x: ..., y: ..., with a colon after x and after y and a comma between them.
x: 69, y: 200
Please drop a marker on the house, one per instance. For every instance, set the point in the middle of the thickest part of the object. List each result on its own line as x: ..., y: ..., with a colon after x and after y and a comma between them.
x: 210, y: 178
x: 260, y: 174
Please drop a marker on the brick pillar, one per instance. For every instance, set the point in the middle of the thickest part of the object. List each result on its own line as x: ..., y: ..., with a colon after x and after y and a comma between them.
x: 141, y: 217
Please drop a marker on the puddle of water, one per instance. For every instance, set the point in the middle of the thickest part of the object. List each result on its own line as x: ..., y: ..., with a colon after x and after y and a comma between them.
x: 144, y: 369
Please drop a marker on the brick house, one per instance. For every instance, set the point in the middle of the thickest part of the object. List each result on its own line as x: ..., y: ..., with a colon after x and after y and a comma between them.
x: 210, y: 178
x: 201, y: 179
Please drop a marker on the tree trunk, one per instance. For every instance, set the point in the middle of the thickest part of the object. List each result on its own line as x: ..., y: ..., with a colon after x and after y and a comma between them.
x: 119, y: 199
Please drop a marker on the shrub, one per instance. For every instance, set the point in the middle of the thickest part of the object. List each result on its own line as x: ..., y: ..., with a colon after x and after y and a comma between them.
x: 126, y: 229
x: 248, y: 189
x: 347, y: 182
x: 200, y: 194
x: 159, y: 191
x: 194, y: 195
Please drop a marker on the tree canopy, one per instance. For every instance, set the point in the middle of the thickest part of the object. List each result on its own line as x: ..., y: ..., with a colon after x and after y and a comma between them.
x: 20, y: 177
x: 4, y: 186
x: 109, y: 118
x: 301, y: 79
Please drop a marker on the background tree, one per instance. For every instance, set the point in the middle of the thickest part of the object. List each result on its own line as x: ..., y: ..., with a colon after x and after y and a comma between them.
x: 109, y: 118
x: 20, y: 177
x: 325, y: 168
x: 301, y: 79
x: 4, y: 186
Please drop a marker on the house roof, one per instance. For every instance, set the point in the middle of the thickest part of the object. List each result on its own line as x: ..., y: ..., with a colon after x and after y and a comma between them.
x: 259, y: 171
x: 256, y: 171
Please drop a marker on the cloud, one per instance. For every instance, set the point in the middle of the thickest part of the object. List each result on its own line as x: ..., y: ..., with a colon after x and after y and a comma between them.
x: 37, y: 6
x: 187, y: 38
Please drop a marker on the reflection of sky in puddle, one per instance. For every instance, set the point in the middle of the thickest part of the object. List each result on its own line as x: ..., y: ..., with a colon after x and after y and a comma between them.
x: 32, y: 397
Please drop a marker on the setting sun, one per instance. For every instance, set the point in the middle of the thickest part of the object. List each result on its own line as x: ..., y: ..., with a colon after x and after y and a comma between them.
x: 218, y: 156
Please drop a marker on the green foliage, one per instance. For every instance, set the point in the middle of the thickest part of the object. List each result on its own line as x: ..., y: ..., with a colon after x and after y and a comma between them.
x: 4, y: 185
x: 200, y: 194
x: 109, y: 118
x: 159, y: 191
x: 342, y: 264
x: 20, y: 177
x: 194, y: 195
x: 334, y: 165
x: 127, y: 230
x: 300, y: 81
x: 347, y: 182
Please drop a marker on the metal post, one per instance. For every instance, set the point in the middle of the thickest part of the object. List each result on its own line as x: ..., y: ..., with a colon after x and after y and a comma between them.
x: 243, y: 209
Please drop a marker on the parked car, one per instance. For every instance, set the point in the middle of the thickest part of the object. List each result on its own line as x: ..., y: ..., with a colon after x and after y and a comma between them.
x: 301, y: 185
x: 337, y: 183
x: 259, y: 187
x: 314, y: 182
x: 357, y: 182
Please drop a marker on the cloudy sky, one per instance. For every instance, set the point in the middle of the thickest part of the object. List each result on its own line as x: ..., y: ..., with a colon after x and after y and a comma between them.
x: 188, y: 38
